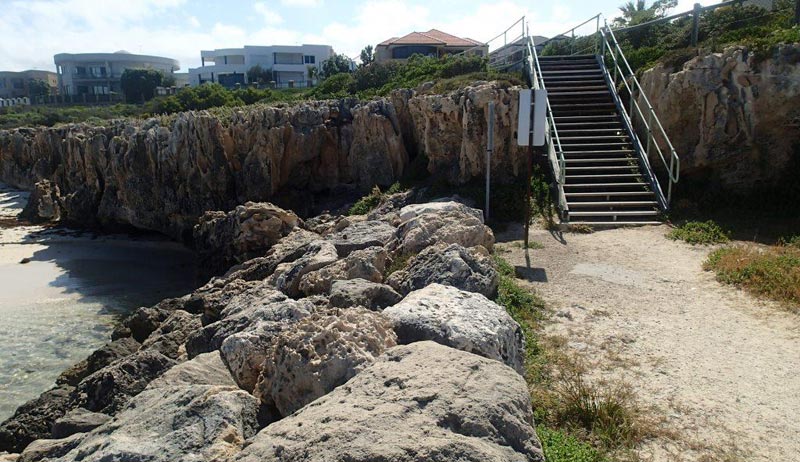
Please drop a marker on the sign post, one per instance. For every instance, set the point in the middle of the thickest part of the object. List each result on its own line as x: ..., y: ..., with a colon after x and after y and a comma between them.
x: 489, y: 149
x: 531, y: 128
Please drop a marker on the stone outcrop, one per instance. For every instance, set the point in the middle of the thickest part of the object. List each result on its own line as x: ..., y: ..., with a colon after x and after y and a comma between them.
x: 732, y: 117
x: 442, y: 222
x: 99, y: 359
x: 419, y: 402
x: 368, y: 264
x: 33, y: 419
x: 171, y: 335
x: 43, y: 204
x: 78, y: 421
x: 361, y: 235
x: 318, y: 354
x: 463, y: 320
x: 360, y: 292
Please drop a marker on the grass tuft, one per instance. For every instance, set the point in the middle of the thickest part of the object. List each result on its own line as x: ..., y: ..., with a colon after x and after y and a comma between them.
x: 559, y: 446
x: 700, y: 232
x: 373, y: 199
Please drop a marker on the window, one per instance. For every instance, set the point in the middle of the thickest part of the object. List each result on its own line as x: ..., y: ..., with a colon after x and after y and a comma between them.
x: 17, y: 84
x: 310, y: 59
x: 100, y: 90
x: 80, y: 70
x: 404, y: 52
x: 3, y: 83
x: 288, y: 58
x: 97, y: 71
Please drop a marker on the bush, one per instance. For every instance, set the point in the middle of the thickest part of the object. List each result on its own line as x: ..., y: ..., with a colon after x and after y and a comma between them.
x: 373, y: 199
x: 560, y: 447
x: 335, y: 86
x: 697, y: 232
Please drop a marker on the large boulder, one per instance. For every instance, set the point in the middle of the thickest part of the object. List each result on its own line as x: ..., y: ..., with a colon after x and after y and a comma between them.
x: 48, y: 449
x: 110, y: 388
x: 44, y: 203
x: 368, y: 264
x: 463, y: 320
x: 215, y: 296
x: 362, y: 234
x: 173, y: 423
x: 468, y: 269
x: 360, y: 292
x: 171, y: 335
x: 99, y: 359
x: 421, y: 402
x: 442, y: 222
x: 143, y: 322
x: 287, y: 276
x: 34, y: 419
x: 318, y: 354
x: 248, y: 231
x: 78, y: 420
x: 204, y: 369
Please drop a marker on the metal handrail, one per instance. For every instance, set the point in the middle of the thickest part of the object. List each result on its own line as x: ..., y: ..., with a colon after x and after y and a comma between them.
x: 648, y: 117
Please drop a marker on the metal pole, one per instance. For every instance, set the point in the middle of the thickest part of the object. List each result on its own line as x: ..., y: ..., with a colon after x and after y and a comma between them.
x: 695, y: 23
x: 528, y: 194
x: 797, y: 12
x: 489, y: 149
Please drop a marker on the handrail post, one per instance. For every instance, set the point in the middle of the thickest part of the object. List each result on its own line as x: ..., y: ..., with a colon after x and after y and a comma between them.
x: 650, y: 137
x: 597, y: 33
x: 572, y: 43
x: 616, y: 65
x: 695, y: 23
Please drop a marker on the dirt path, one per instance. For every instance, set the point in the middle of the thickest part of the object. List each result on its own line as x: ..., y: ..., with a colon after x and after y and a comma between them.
x: 722, y: 367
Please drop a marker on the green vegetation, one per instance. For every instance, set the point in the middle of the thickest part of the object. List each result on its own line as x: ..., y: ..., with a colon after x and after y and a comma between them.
x: 373, y: 199
x: 400, y: 262
x: 31, y: 116
x: 559, y: 446
x: 769, y: 271
x: 139, y: 85
x: 697, y: 232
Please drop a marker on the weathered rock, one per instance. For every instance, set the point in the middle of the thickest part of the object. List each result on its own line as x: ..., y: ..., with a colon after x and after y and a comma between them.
x: 442, y: 222
x: 78, y: 420
x: 47, y: 449
x: 360, y: 235
x: 366, y: 264
x: 34, y: 419
x: 171, y: 335
x: 99, y: 359
x: 248, y: 231
x: 459, y: 319
x: 142, y: 322
x: 212, y: 298
x: 43, y: 203
x: 204, y: 369
x: 467, y: 269
x: 359, y: 292
x: 318, y: 354
x: 110, y: 388
x: 175, y: 423
x: 421, y: 402
x: 244, y: 351
x: 6, y: 457
x: 287, y: 276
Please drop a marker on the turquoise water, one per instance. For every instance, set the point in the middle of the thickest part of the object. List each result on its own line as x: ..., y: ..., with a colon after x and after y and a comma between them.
x: 62, y: 304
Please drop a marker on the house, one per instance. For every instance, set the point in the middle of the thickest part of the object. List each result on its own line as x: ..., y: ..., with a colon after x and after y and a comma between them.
x: 431, y: 43
x: 100, y: 73
x: 286, y: 65
x: 16, y: 84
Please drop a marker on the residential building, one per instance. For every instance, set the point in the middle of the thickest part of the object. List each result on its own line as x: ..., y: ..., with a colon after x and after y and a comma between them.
x: 431, y: 43
x: 16, y: 84
x: 100, y: 73
x: 287, y: 65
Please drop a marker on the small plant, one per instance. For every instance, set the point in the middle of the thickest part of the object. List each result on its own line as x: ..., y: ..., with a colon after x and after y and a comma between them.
x: 700, y: 232
x: 399, y: 263
x: 561, y: 447
x: 581, y: 229
x: 367, y: 203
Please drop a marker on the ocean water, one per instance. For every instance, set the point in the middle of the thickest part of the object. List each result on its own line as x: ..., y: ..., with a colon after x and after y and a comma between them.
x: 62, y: 304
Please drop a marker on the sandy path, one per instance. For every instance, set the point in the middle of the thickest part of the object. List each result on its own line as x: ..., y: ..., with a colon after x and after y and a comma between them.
x: 722, y: 367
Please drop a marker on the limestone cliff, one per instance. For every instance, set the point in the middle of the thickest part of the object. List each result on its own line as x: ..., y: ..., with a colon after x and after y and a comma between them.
x: 161, y: 174
x: 734, y: 120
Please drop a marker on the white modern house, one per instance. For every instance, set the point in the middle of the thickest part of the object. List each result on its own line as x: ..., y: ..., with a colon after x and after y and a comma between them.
x: 99, y: 73
x: 288, y: 65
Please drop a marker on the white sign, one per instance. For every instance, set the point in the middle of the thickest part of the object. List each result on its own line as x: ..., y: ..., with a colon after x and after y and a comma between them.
x: 538, y: 118
x: 524, y: 119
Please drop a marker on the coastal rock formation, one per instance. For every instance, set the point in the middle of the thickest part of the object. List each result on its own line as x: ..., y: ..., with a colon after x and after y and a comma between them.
x: 360, y: 292
x: 78, y: 420
x: 459, y: 319
x: 318, y: 354
x: 33, y: 419
x: 43, y: 204
x: 361, y: 235
x: 733, y: 116
x: 287, y: 276
x: 453, y: 265
x: 419, y: 402
x: 172, y: 334
x: 442, y: 222
x: 204, y: 369
x: 368, y: 264
x: 48, y: 449
x: 99, y: 359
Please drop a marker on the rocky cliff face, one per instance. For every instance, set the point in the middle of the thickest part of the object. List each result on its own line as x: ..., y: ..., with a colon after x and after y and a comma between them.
x: 162, y: 174
x: 733, y: 119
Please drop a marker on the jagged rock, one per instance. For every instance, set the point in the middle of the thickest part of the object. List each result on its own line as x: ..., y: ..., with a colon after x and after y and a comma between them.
x: 110, y: 388
x: 204, y: 369
x: 171, y: 335
x: 244, y: 351
x: 44, y: 203
x: 360, y: 235
x: 318, y: 354
x: 142, y: 322
x: 33, y: 419
x: 78, y: 420
x: 420, y: 402
x: 287, y: 276
x: 173, y: 423
x: 248, y: 231
x: 99, y: 359
x: 366, y: 264
x: 212, y: 298
x: 442, y: 222
x: 48, y: 449
x: 389, y: 208
x: 6, y: 457
x: 463, y: 320
x: 242, y: 311
x: 467, y: 269
x: 359, y: 292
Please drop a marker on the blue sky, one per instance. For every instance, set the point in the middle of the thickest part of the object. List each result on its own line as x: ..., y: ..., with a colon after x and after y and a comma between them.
x: 32, y: 31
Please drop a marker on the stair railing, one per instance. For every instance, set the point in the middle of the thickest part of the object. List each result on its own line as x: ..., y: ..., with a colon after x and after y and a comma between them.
x: 555, y: 152
x: 639, y: 115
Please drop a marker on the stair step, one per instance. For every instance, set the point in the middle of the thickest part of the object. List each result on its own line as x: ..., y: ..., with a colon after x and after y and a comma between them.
x: 612, y: 204
x: 568, y: 147
x: 591, y: 130
x: 578, y: 118
x: 619, y: 213
x: 615, y: 223
x: 599, y: 160
x: 594, y: 71
x: 606, y: 194
x: 604, y: 167
x: 562, y: 93
x: 608, y: 124
x: 605, y: 185
x: 590, y: 138
x: 554, y: 89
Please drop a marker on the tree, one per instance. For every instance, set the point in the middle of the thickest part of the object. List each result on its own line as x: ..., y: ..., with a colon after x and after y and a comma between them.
x: 335, y: 65
x: 38, y: 88
x: 167, y: 80
x: 139, y: 85
x: 258, y: 74
x: 638, y: 12
x: 367, y: 56
x: 313, y: 72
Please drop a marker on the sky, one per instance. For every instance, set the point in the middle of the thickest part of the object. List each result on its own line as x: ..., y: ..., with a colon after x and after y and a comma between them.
x: 32, y: 31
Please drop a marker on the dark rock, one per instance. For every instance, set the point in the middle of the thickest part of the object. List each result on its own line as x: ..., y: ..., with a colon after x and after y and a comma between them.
x: 171, y: 335
x: 141, y: 323
x: 34, y: 419
x: 44, y: 204
x: 360, y: 235
x: 78, y: 420
x: 99, y: 359
x: 360, y: 292
x: 48, y: 449
x: 25, y: 261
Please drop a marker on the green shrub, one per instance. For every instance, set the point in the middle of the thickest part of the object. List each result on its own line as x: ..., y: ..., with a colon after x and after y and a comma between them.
x: 335, y: 86
x: 700, y: 232
x: 561, y: 447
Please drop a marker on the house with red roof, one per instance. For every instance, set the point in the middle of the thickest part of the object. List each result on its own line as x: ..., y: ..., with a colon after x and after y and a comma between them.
x: 431, y: 43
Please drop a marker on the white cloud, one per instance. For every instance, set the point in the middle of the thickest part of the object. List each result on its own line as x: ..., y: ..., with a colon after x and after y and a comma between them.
x: 193, y: 21
x: 270, y: 17
x: 302, y: 3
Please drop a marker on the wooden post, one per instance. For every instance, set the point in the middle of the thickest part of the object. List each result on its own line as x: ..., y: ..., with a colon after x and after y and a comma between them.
x: 695, y: 23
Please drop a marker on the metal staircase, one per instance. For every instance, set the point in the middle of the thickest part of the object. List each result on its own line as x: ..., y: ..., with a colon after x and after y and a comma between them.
x: 598, y: 145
